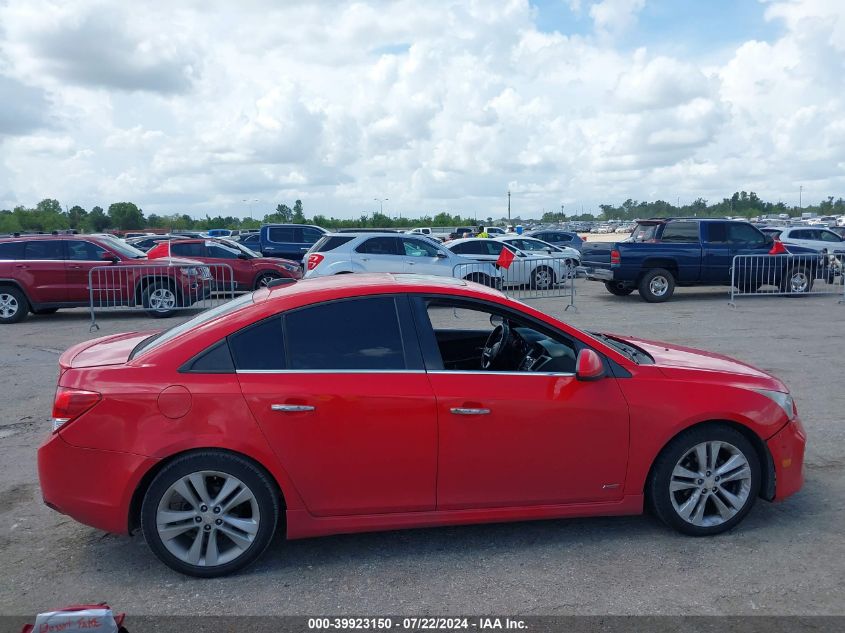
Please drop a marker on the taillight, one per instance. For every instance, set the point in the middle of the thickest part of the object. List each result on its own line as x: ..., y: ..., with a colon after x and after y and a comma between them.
x: 314, y: 260
x: 71, y: 403
x: 615, y: 257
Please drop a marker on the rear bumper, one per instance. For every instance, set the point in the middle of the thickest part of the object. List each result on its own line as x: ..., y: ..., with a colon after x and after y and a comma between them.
x: 94, y: 487
x: 598, y: 274
x: 787, y: 450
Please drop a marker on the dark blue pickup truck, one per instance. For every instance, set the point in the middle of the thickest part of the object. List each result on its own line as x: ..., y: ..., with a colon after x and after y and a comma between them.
x: 668, y: 252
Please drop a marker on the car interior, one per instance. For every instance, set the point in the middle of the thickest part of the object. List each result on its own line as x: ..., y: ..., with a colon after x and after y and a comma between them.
x: 472, y: 339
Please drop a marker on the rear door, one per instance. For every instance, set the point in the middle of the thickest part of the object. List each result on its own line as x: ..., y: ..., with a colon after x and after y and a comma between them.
x: 717, y: 253
x: 42, y: 271
x: 682, y: 243
x: 379, y: 254
x: 340, y: 392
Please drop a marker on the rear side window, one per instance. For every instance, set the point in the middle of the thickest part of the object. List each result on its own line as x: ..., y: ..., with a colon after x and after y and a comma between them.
x: 379, y: 246
x: 214, y: 360
x: 362, y: 334
x: 739, y: 233
x: 11, y: 250
x: 680, y: 232
x: 283, y: 234
x: 329, y: 243
x: 469, y: 248
x: 43, y: 249
x: 260, y: 346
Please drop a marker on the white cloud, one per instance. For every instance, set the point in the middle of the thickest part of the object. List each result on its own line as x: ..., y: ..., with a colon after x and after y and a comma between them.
x: 434, y: 105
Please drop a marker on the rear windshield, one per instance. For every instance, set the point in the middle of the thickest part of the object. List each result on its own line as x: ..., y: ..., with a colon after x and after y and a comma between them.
x: 644, y: 232
x: 150, y: 343
x: 330, y: 242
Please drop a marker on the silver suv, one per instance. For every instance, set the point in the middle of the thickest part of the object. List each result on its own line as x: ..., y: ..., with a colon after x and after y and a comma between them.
x: 340, y: 253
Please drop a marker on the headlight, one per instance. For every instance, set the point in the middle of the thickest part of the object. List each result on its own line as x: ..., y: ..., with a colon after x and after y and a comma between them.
x: 784, y: 400
x: 289, y: 267
x: 191, y: 271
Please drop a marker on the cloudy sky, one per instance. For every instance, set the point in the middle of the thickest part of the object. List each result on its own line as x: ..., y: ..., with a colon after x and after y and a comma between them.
x: 196, y: 106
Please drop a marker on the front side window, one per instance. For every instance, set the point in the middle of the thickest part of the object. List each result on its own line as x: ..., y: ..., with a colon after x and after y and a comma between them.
x: 81, y: 250
x: 829, y: 236
x: 357, y: 334
x: 190, y: 249
x: 418, y: 248
x: 43, y: 250
x: 739, y: 233
x: 309, y: 235
x: 222, y: 252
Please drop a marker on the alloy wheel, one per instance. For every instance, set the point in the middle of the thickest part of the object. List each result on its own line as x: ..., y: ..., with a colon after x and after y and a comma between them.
x: 208, y: 518
x: 9, y: 305
x: 798, y: 282
x: 162, y: 299
x: 658, y: 286
x: 710, y: 484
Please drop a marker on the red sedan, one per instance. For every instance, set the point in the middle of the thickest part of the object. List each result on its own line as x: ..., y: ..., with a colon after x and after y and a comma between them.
x: 249, y: 269
x: 375, y: 402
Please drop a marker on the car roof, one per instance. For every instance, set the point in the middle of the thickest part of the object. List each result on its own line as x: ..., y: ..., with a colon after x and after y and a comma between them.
x: 51, y: 236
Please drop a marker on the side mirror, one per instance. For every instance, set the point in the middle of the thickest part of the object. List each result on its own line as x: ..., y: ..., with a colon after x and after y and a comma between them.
x: 548, y: 250
x: 441, y: 255
x: 588, y: 366
x: 243, y: 256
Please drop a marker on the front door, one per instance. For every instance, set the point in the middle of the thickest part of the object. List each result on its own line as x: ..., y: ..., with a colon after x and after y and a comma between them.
x: 421, y: 257
x: 42, y: 271
x: 339, y: 391
x: 518, y: 438
x: 82, y: 256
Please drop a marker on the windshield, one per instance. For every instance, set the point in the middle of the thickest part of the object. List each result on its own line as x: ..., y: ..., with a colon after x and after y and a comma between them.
x: 127, y: 250
x: 156, y: 340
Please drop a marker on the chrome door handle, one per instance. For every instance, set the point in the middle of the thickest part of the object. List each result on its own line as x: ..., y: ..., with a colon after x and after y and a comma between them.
x: 291, y: 408
x: 463, y: 411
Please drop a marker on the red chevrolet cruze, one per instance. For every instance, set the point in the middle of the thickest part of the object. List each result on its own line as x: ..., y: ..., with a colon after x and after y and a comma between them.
x: 373, y: 402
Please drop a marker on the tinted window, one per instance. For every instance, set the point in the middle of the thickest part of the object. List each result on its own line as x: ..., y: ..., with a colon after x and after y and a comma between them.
x: 418, y: 248
x: 260, y: 346
x: 355, y: 334
x: 491, y: 248
x: 215, y: 360
x: 309, y: 236
x: 222, y: 252
x: 251, y: 240
x: 468, y: 248
x: 680, y: 232
x: 84, y: 251
x: 191, y: 249
x: 43, y: 249
x: 11, y: 250
x: 378, y: 246
x: 739, y: 233
x: 828, y: 236
x: 329, y: 243
x: 283, y: 234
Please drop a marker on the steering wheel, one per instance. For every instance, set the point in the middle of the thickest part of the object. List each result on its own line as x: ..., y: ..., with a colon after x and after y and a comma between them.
x: 496, y: 343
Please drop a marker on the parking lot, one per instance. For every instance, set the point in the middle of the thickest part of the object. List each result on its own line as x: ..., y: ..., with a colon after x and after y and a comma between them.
x: 784, y: 559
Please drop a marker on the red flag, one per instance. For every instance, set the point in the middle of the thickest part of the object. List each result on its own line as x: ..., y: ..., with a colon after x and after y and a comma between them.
x: 506, y: 258
x: 778, y: 248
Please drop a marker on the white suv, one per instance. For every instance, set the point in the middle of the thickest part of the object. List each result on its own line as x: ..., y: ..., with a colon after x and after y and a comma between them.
x: 340, y: 253
x: 540, y: 272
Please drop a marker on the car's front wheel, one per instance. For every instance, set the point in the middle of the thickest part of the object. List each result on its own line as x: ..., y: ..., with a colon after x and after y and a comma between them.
x: 209, y: 513
x: 264, y: 279
x: 160, y: 300
x: 13, y: 305
x: 705, y: 481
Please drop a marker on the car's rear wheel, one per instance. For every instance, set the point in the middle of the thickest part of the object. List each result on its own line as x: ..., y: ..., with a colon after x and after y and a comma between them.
x: 209, y: 513
x: 705, y: 481
x: 160, y: 300
x: 542, y: 278
x: 797, y: 280
x: 657, y: 285
x: 264, y: 279
x: 13, y: 305
x: 618, y: 288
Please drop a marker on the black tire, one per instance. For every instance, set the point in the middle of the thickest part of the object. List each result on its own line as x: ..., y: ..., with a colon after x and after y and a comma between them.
x: 543, y: 278
x: 660, y: 498
x: 618, y: 288
x: 14, y: 306
x: 654, y: 279
x: 45, y: 311
x: 150, y: 296
x: 480, y: 278
x: 264, y: 278
x: 254, y: 478
x: 794, y: 273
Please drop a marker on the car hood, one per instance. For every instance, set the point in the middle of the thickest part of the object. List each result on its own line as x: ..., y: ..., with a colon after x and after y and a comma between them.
x: 272, y: 261
x: 165, y: 261
x: 675, y: 360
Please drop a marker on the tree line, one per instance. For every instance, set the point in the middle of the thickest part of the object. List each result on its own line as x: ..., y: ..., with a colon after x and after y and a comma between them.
x: 49, y: 215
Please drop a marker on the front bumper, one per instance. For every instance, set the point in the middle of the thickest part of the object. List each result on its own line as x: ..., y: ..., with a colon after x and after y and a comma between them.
x: 94, y: 487
x: 787, y: 450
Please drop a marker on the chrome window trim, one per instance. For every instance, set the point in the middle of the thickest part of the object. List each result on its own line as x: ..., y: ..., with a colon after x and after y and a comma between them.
x: 479, y: 372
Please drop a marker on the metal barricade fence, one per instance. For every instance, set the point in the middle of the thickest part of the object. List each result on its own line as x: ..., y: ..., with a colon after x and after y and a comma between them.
x: 525, y: 278
x: 158, y: 289
x: 787, y: 275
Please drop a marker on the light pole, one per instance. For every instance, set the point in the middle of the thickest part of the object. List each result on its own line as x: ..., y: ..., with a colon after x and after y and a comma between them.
x: 381, y: 202
x: 509, y: 206
x: 800, y: 196
x: 250, y: 205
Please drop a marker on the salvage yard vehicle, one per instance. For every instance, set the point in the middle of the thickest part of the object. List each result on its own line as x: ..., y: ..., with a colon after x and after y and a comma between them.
x: 377, y: 402
x: 43, y: 273
x: 249, y: 269
x: 663, y: 253
x: 342, y: 253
